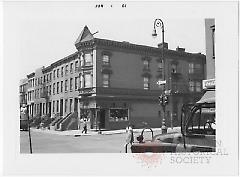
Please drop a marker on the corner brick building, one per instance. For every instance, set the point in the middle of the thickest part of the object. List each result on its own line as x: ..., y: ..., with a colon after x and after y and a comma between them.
x: 114, y: 83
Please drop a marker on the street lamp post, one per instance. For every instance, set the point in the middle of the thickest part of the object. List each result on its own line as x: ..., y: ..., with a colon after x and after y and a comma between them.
x: 163, y: 99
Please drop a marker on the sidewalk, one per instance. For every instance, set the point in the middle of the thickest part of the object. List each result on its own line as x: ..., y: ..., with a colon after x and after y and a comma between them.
x: 94, y: 132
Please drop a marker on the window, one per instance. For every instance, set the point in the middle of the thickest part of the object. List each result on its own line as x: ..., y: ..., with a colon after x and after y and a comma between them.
x: 198, y: 86
x: 88, y: 80
x: 76, y: 66
x: 66, y: 69
x: 62, y: 71
x: 76, y: 83
x: 117, y: 115
x: 61, y: 86
x: 146, y: 64
x: 57, y: 87
x: 106, y: 59
x: 81, y: 60
x: 54, y: 74
x: 50, y: 77
x: 53, y: 107
x: 71, y: 68
x: 66, y: 103
x: 174, y: 68
x: 146, y: 83
x: 57, y: 106
x: 57, y: 73
x: 46, y: 90
x: 50, y: 87
x: 53, y: 88
x: 71, y: 84
x: 70, y: 106
x: 160, y: 65
x: 44, y: 78
x: 41, y: 80
x: 88, y: 59
x: 105, y: 80
x: 194, y: 68
x: 191, y: 86
x: 66, y: 85
x: 43, y: 107
x: 190, y: 68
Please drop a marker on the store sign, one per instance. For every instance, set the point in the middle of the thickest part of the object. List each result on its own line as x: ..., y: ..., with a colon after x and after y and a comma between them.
x: 207, y: 84
x: 160, y: 82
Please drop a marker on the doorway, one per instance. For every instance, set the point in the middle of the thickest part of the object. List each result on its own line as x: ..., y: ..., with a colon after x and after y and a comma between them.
x: 102, y: 118
x: 61, y: 107
x: 75, y: 105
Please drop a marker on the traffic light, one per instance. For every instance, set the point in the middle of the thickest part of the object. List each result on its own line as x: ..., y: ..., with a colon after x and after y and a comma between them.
x: 160, y: 99
x: 165, y: 99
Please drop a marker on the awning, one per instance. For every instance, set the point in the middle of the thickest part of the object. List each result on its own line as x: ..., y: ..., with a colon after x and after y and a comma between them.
x: 208, y: 97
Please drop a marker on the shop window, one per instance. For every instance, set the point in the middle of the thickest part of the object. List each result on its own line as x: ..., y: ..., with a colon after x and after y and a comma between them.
x: 118, y: 114
x: 146, y: 83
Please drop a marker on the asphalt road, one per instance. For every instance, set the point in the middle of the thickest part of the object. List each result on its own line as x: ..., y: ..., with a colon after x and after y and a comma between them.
x: 51, y: 143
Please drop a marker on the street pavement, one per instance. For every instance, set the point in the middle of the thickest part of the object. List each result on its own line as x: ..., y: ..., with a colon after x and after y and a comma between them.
x: 50, y: 141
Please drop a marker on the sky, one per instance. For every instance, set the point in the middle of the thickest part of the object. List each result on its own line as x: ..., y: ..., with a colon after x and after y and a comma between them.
x: 40, y: 33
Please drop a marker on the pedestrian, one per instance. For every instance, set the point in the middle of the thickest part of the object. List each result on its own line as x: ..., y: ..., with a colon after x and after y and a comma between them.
x: 85, y: 126
x: 129, y: 138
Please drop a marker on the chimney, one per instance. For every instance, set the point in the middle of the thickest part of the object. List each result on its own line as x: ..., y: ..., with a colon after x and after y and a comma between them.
x: 180, y: 49
x: 161, y: 45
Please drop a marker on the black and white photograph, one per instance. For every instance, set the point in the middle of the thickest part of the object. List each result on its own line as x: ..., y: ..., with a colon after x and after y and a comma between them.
x: 120, y: 88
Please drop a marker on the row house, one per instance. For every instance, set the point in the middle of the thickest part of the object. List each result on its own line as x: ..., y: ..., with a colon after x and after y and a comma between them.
x: 115, y: 83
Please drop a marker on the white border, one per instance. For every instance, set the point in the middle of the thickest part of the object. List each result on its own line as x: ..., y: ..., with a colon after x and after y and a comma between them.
x: 226, y: 16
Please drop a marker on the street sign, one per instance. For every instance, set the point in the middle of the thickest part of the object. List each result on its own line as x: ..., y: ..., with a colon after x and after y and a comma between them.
x: 160, y: 82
